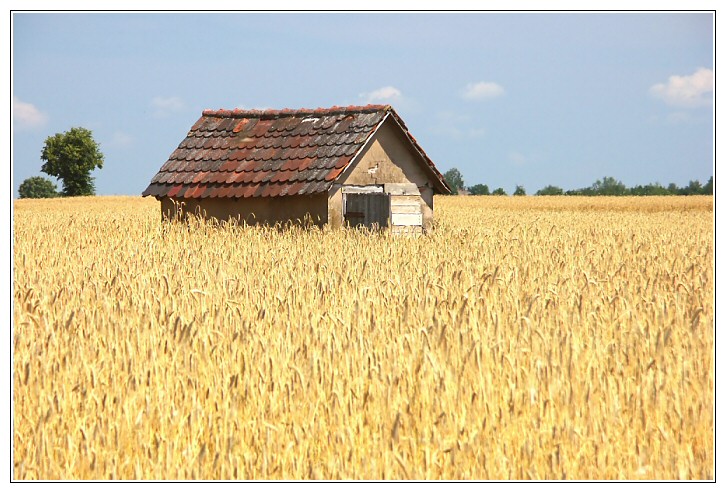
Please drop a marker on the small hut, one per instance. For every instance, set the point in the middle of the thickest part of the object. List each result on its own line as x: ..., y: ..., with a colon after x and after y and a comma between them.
x: 354, y: 165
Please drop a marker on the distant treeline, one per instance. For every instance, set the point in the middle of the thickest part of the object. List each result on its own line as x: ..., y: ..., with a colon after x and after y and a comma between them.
x: 607, y: 186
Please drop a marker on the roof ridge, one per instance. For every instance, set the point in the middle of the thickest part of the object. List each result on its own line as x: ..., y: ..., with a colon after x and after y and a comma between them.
x: 271, y: 113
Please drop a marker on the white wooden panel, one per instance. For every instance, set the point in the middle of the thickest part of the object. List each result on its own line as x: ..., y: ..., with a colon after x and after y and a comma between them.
x: 405, y: 209
x: 405, y: 199
x: 363, y: 189
x: 401, y: 188
x: 407, y: 219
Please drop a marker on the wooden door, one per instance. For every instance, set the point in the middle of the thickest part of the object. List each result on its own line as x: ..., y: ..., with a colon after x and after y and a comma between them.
x: 370, y: 210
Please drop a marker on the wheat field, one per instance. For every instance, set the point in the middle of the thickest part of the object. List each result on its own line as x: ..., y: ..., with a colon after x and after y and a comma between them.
x: 525, y: 338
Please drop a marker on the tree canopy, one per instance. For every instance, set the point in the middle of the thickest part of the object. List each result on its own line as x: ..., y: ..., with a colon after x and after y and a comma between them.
x: 610, y: 186
x: 605, y: 186
x: 479, y: 189
x: 37, y: 187
x: 455, y: 180
x: 71, y: 156
x: 550, y: 190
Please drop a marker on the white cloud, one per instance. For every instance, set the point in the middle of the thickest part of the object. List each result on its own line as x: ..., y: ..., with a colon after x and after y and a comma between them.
x: 455, y: 126
x: 164, y: 107
x: 121, y: 139
x: 479, y: 91
x: 26, y: 115
x: 686, y: 91
x: 449, y: 131
x: 517, y: 158
x: 679, y: 117
x: 386, y: 94
x: 683, y: 117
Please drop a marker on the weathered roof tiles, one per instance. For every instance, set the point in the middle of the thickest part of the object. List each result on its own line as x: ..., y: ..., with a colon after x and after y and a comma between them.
x: 268, y: 153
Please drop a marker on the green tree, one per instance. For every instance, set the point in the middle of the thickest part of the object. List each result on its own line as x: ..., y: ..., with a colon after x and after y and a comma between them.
x: 479, y: 189
x: 499, y: 191
x: 37, y: 187
x: 519, y: 191
x: 608, y: 186
x: 550, y: 190
x: 708, y: 187
x: 578, y: 191
x: 650, y: 189
x: 693, y: 188
x: 71, y: 156
x: 455, y: 180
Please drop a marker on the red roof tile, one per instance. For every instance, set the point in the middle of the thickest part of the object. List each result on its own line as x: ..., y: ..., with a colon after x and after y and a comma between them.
x: 226, y: 191
x: 208, y: 191
x: 250, y: 190
x: 199, y: 191
x: 268, y: 153
x: 190, y: 191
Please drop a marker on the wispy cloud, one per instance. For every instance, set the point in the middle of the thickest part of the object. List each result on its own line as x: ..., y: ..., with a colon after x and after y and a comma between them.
x: 121, y: 140
x: 387, y: 94
x: 164, y: 107
x: 480, y: 91
x: 26, y: 115
x: 686, y: 91
x: 679, y: 117
x: 682, y: 117
x: 455, y: 126
x: 516, y: 157
x: 519, y: 158
x: 476, y: 133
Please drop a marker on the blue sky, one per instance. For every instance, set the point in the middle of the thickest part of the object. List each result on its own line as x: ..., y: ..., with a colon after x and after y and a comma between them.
x: 520, y: 98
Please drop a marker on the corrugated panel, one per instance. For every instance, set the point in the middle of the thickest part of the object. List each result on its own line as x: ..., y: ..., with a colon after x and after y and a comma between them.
x: 367, y: 209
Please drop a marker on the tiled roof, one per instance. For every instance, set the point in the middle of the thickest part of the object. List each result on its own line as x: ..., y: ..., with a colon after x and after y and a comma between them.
x: 250, y: 153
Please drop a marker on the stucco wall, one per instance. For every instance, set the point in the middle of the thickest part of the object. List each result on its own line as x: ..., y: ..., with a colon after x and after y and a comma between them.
x: 257, y: 210
x: 387, y: 158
